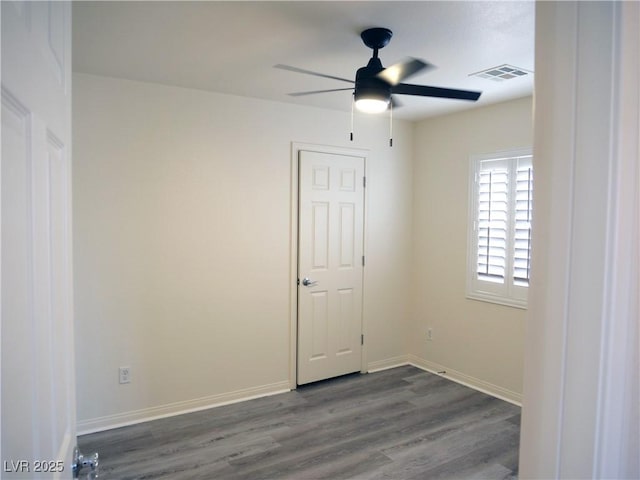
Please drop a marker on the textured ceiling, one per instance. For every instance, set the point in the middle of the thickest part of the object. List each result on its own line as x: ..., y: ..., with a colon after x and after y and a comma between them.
x: 231, y: 47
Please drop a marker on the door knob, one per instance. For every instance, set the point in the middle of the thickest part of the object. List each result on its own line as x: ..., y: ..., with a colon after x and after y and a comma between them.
x: 307, y: 282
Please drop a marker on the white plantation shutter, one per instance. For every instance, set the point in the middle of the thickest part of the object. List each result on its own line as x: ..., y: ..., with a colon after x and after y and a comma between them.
x: 501, y: 198
x: 522, y: 222
x: 493, y: 206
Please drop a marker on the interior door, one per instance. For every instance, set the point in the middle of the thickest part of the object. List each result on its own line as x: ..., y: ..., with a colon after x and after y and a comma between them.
x: 330, y: 265
x: 38, y: 391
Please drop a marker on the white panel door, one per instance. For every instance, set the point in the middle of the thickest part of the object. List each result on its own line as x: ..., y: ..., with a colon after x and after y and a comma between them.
x: 38, y: 389
x: 330, y: 265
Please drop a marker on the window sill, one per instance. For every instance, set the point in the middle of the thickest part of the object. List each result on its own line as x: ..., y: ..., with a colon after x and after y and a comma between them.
x: 507, y: 302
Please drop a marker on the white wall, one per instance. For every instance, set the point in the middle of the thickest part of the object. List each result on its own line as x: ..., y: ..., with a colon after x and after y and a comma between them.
x: 182, y: 243
x: 476, y: 342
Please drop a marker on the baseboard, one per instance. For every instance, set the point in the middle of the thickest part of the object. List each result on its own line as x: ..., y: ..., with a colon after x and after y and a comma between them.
x: 466, y: 380
x: 144, y: 415
x: 387, y: 364
x: 178, y: 408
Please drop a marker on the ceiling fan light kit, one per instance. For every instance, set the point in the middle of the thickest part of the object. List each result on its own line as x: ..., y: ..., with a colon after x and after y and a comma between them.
x: 372, y: 105
x: 374, y: 84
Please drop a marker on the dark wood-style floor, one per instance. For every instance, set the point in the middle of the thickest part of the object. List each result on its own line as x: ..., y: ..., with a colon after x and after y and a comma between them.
x: 401, y: 423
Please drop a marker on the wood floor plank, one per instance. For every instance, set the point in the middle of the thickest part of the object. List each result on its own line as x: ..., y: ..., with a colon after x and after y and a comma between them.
x: 401, y: 423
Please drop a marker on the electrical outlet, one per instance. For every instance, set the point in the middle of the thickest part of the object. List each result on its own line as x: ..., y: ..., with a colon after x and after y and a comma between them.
x: 125, y: 374
x: 429, y: 334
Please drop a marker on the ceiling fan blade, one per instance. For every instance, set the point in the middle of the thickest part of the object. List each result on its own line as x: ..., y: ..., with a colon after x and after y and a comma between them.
x: 301, y: 94
x: 398, y: 72
x: 427, y: 91
x: 309, y: 72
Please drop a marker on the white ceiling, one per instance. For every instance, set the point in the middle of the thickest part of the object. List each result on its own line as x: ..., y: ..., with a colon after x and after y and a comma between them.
x: 231, y: 47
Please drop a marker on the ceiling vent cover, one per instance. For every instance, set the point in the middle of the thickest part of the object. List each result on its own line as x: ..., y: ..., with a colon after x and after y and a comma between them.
x: 503, y: 72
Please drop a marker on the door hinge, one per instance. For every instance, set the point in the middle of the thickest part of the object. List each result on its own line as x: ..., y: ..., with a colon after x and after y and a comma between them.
x: 364, y: 182
x: 363, y: 260
x: 361, y: 339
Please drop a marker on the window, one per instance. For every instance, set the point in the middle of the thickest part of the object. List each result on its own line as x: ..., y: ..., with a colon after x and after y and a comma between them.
x: 500, y: 207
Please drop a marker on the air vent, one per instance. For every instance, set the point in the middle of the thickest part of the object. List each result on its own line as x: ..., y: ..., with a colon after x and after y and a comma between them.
x: 501, y: 73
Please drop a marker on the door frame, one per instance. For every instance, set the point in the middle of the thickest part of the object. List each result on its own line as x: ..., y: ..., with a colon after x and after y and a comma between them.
x: 296, y: 147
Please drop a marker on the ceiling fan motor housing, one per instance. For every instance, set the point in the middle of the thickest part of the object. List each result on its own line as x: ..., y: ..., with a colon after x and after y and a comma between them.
x: 370, y: 86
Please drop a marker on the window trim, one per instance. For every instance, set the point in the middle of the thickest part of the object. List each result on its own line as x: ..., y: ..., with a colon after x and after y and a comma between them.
x: 506, y: 293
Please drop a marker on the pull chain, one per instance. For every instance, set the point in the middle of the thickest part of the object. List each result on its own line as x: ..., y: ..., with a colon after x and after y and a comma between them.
x: 353, y: 99
x: 391, y: 124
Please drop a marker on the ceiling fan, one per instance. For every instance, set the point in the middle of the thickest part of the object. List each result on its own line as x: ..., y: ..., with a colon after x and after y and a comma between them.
x: 375, y: 84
